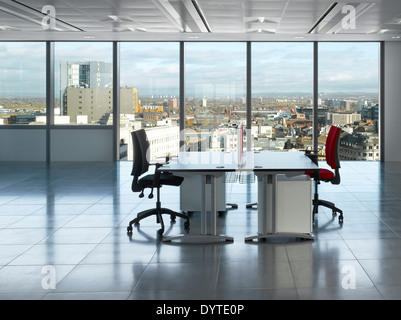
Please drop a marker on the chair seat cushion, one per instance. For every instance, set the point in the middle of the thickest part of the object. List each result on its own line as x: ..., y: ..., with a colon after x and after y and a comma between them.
x: 325, y: 174
x: 165, y: 179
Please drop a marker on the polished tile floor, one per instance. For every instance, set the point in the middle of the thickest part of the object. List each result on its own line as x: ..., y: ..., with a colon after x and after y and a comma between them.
x: 63, y: 236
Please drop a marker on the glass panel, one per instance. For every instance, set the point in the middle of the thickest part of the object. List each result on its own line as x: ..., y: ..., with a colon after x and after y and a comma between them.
x: 149, y: 96
x: 22, y: 83
x: 215, y: 90
x: 282, y: 91
x: 83, y: 83
x: 349, y: 97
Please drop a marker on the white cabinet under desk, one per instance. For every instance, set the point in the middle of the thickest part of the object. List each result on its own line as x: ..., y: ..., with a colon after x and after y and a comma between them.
x: 293, y: 205
x: 191, y: 190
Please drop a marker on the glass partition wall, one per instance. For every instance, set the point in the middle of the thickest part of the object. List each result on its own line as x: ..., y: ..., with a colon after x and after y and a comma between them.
x: 83, y: 83
x: 22, y: 83
x: 224, y: 86
x: 215, y: 89
x: 349, y: 97
x: 282, y: 96
x: 149, y: 96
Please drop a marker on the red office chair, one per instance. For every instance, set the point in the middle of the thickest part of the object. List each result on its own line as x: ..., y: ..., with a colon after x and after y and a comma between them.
x: 326, y: 175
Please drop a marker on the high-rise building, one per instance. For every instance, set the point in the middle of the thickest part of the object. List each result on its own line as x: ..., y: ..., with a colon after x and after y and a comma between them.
x: 96, y: 102
x: 83, y: 74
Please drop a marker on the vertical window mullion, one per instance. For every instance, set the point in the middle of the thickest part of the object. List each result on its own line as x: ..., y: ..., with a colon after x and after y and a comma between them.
x: 315, y: 96
x: 49, y: 96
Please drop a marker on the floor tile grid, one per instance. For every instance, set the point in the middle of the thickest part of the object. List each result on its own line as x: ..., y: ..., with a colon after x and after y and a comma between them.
x: 301, y: 291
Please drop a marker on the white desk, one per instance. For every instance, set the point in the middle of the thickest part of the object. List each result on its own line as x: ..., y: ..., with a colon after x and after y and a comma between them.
x: 265, y: 165
x: 210, y: 165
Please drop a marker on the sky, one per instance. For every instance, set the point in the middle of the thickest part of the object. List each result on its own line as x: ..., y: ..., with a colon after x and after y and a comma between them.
x: 212, y: 69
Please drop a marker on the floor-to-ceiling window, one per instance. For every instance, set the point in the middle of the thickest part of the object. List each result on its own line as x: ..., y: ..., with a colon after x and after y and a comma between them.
x: 149, y: 96
x: 83, y: 83
x: 282, y: 90
x: 349, y: 97
x: 22, y: 82
x: 215, y: 90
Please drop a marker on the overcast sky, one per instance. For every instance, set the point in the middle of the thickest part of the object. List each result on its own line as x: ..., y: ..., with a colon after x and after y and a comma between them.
x: 212, y: 69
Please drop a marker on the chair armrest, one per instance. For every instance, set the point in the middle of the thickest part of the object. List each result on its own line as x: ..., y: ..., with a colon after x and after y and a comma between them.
x: 157, y: 173
x: 161, y: 160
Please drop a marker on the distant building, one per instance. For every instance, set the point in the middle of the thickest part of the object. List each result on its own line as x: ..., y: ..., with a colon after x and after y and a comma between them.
x: 359, y: 147
x: 163, y: 140
x: 340, y: 119
x: 371, y: 113
x: 83, y: 74
x: 95, y: 103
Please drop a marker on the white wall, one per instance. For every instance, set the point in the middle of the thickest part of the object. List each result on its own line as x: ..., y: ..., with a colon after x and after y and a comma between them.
x: 81, y: 144
x: 23, y: 144
x: 392, y: 102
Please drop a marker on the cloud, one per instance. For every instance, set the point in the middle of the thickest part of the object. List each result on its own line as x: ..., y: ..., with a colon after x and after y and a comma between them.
x: 211, y: 68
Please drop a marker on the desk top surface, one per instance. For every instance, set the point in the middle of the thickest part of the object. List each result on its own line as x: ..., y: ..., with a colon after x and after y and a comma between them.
x: 250, y: 161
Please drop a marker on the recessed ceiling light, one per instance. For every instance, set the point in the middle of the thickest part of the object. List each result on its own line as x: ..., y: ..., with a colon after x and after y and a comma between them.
x: 137, y: 29
x: 89, y: 37
x: 8, y: 28
x: 113, y: 17
x: 299, y: 37
x: 396, y: 37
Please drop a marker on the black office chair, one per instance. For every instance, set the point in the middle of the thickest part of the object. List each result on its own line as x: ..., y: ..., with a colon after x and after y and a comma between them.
x: 326, y: 175
x: 157, y: 180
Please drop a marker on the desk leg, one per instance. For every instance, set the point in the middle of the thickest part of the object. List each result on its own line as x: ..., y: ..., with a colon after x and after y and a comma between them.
x: 274, y: 202
x: 204, y: 212
x: 204, y: 237
x: 213, y: 205
x: 262, y: 212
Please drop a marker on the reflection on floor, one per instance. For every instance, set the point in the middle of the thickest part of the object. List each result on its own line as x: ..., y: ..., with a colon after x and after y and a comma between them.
x: 63, y: 236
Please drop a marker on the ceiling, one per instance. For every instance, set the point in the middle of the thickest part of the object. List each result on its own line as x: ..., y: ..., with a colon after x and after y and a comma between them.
x: 200, y: 20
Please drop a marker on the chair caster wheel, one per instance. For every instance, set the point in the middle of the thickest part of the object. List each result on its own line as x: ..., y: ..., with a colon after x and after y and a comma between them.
x: 172, y: 218
x: 129, y: 229
x: 160, y: 232
x: 186, y: 224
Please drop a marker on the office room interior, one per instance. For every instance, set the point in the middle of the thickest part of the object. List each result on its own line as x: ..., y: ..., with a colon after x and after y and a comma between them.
x: 77, y: 78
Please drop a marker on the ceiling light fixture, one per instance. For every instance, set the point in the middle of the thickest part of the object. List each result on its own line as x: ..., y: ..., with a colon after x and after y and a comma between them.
x: 137, y: 29
x: 8, y: 28
x: 113, y: 17
x: 201, y: 15
x: 324, y: 15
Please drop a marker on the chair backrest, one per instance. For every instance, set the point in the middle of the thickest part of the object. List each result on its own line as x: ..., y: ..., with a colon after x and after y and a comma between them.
x: 141, y: 150
x: 332, y: 147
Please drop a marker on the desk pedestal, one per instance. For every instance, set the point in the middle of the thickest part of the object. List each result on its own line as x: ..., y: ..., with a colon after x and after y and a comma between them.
x: 284, y: 207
